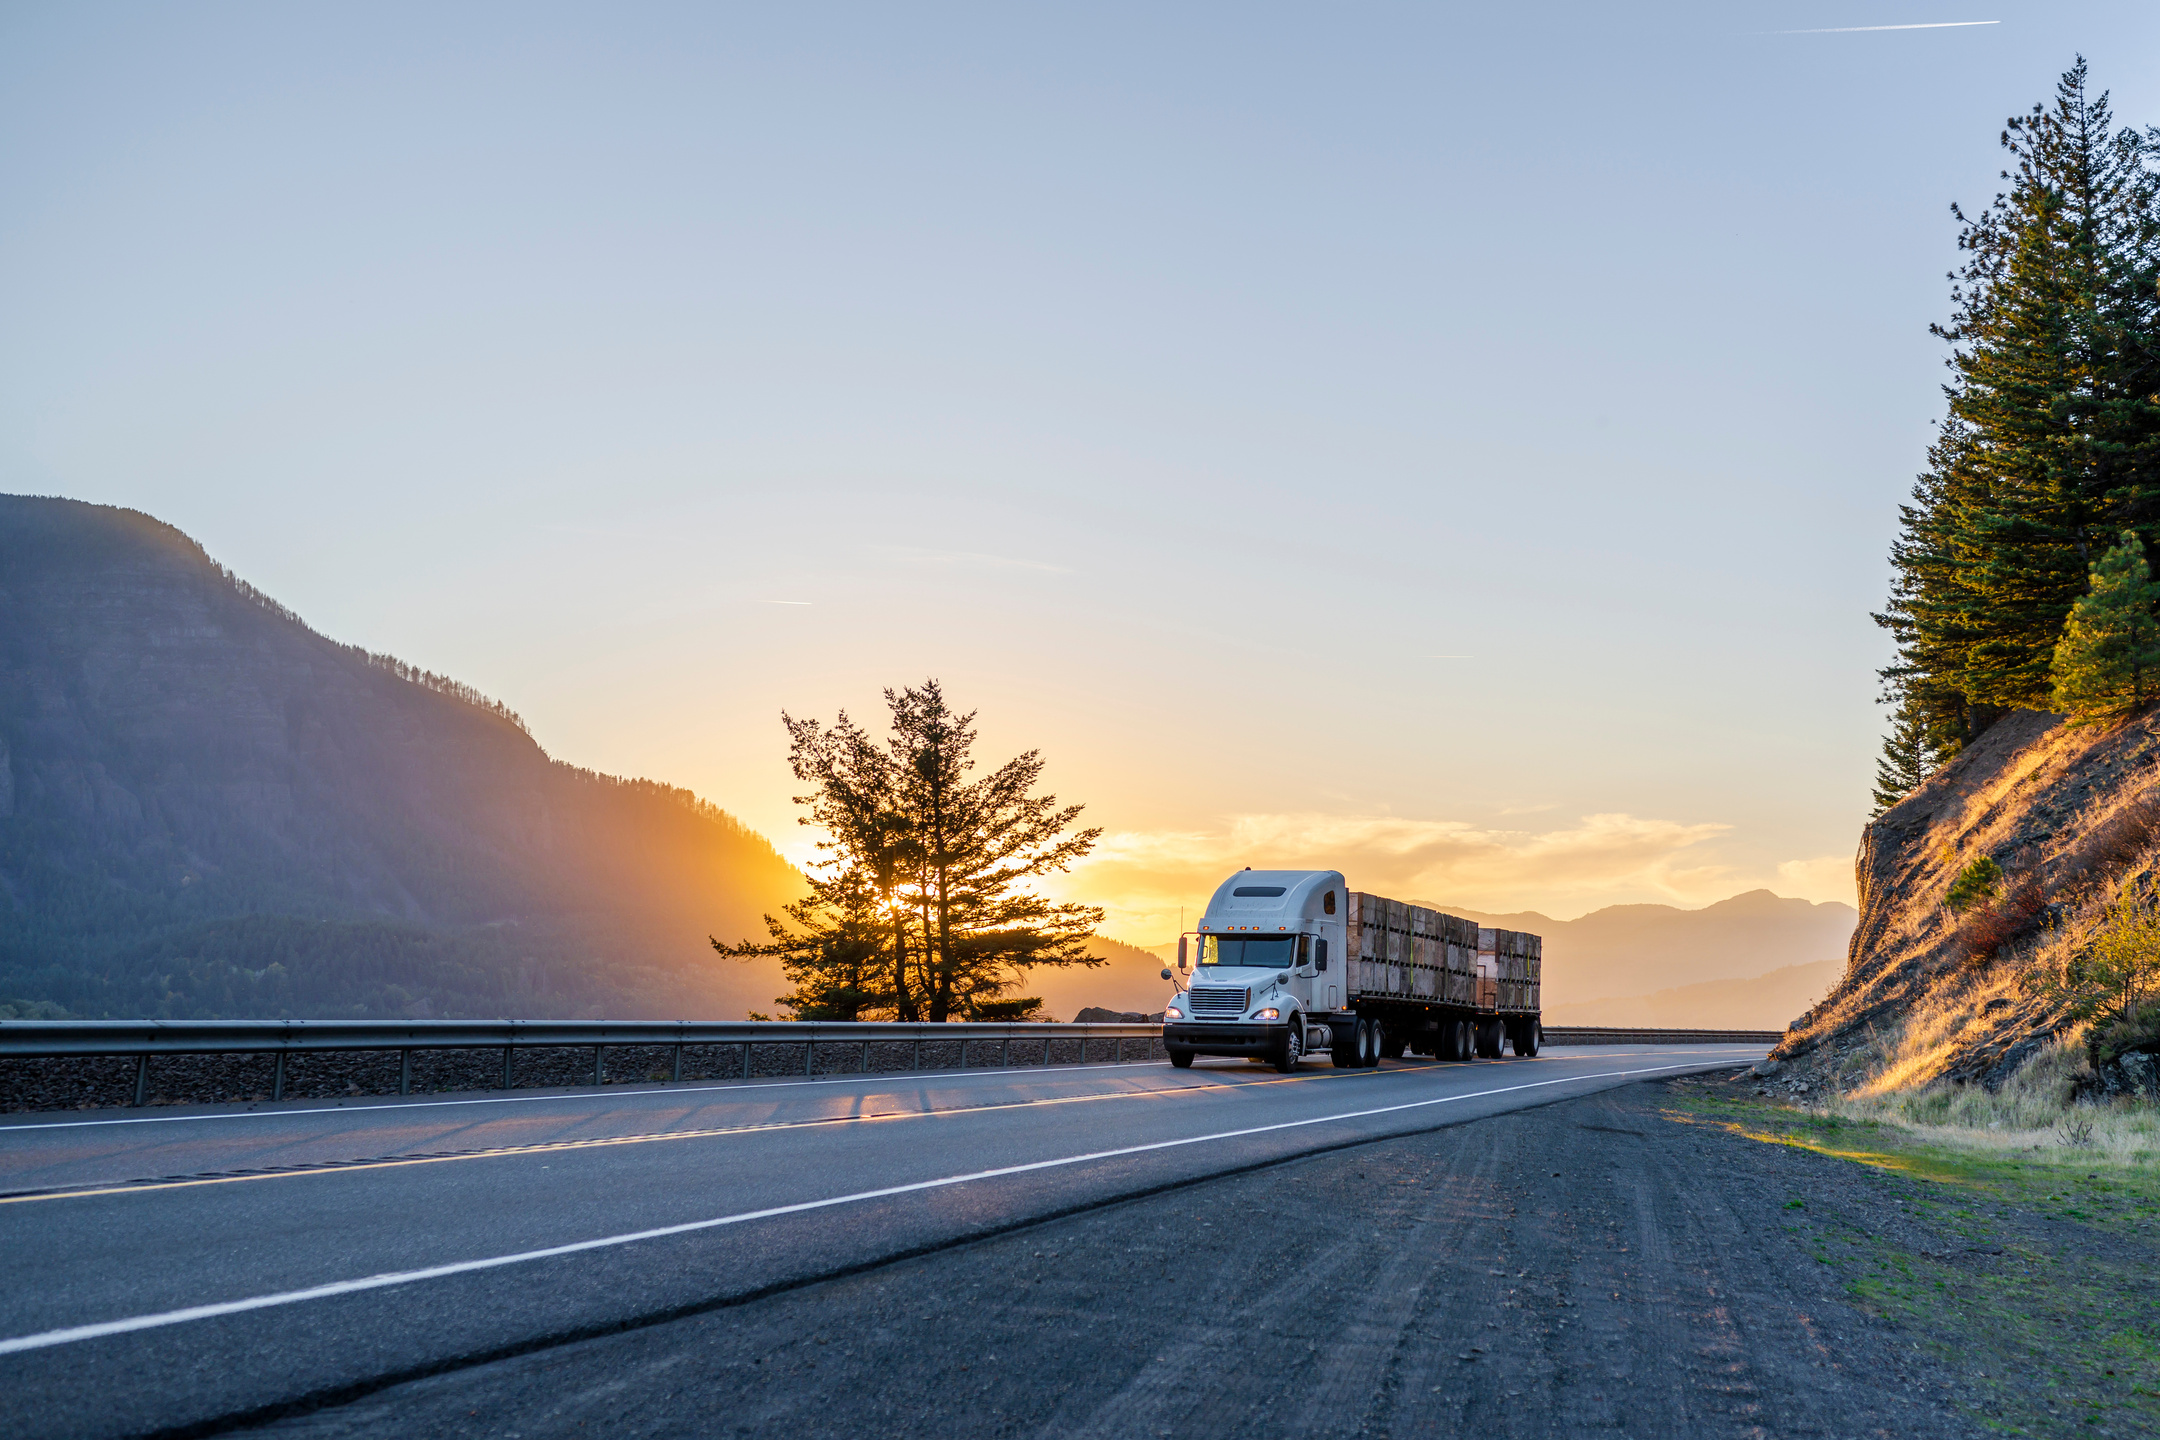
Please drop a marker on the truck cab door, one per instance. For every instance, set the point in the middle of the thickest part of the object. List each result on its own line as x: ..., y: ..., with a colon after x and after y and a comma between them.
x: 1306, y: 982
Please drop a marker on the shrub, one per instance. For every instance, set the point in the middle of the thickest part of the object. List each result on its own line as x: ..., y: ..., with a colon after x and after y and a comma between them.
x: 2139, y: 1030
x: 1987, y: 928
x: 1976, y: 882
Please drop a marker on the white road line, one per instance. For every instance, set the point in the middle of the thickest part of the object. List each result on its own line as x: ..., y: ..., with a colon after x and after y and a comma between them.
x: 75, y: 1333
x: 1047, y: 1071
x: 855, y: 1079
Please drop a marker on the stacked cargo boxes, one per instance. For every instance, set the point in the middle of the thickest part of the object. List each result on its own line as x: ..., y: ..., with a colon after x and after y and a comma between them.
x: 1509, y: 962
x: 1410, y: 952
x: 1461, y: 945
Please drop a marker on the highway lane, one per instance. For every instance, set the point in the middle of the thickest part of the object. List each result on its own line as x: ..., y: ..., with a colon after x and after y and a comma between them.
x: 378, y: 1240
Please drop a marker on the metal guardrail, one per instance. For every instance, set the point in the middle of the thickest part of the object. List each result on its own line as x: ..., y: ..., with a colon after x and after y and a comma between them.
x: 49, y: 1039
x: 1624, y: 1035
x: 143, y: 1039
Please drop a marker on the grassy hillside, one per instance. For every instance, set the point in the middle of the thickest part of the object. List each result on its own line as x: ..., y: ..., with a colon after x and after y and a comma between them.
x: 206, y: 808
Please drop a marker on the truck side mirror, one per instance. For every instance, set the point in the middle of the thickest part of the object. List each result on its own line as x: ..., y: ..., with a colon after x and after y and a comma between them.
x: 1182, y: 962
x: 1319, y: 955
x: 1166, y: 972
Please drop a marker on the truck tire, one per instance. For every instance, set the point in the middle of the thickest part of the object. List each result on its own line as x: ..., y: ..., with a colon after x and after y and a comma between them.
x: 1368, y: 1043
x: 1182, y: 1059
x: 1488, y: 1039
x: 1292, y: 1048
x: 1391, y: 1044
x: 1527, y: 1037
x: 1342, y: 1048
x: 1465, y: 1040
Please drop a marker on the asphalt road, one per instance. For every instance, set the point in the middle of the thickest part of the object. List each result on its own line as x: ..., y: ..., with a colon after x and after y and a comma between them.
x: 204, y: 1270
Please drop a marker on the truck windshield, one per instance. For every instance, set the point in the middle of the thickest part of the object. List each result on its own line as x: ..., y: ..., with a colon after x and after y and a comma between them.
x: 1266, y: 952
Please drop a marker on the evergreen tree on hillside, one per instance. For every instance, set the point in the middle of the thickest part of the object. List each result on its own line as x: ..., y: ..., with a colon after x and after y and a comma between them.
x: 1905, y: 762
x: 2109, y: 656
x: 2051, y: 446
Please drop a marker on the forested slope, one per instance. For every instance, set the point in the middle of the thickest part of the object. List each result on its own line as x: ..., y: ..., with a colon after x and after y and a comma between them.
x: 208, y: 809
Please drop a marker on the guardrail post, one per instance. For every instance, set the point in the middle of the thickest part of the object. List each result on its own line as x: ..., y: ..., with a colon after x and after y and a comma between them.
x: 918, y: 1052
x: 142, y: 1080
x: 404, y: 1079
x: 596, y: 1072
x: 506, y: 1067
x: 746, y: 1059
x: 1005, y: 1053
x: 677, y: 1075
x: 809, y: 1053
x: 866, y: 1057
x: 277, y: 1078
x: 1046, y: 1050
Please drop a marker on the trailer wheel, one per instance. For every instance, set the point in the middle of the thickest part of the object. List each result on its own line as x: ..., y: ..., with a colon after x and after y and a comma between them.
x: 1181, y: 1059
x: 1292, y: 1048
x: 1465, y: 1040
x: 1368, y: 1043
x: 1527, y: 1037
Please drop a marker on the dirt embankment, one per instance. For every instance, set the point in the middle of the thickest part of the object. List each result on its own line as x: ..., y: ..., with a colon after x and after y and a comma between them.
x: 2068, y: 814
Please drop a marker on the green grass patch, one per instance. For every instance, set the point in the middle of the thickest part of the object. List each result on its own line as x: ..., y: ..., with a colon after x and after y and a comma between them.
x: 2032, y: 1276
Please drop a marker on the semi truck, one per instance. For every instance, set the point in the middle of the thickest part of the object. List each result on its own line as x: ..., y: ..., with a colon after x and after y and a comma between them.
x: 1288, y: 963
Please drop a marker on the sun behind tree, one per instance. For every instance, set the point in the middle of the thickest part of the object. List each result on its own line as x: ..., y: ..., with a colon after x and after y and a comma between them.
x: 925, y: 909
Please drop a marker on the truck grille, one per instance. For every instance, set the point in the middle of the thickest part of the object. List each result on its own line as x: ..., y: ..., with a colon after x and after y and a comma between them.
x: 1218, y: 1000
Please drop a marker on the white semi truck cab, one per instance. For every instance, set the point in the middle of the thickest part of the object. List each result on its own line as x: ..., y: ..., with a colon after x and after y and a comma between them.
x: 1288, y: 962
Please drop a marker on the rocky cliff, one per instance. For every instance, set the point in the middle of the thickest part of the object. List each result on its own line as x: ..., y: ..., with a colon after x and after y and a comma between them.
x: 2068, y: 814
x: 208, y: 808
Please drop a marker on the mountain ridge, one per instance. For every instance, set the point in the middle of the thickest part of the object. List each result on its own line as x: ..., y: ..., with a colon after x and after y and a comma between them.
x: 188, y: 767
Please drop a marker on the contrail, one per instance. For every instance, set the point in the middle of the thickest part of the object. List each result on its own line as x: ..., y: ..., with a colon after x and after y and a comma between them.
x: 1858, y: 29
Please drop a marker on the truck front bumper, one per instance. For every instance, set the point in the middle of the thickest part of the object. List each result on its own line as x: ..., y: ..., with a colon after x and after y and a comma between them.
x: 1244, y: 1037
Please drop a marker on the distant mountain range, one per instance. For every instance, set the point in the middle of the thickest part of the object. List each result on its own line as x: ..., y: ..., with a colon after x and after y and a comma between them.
x: 1626, y: 951
x: 207, y: 809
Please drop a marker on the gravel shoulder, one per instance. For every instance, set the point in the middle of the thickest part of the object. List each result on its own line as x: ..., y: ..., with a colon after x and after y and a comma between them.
x: 1623, y: 1264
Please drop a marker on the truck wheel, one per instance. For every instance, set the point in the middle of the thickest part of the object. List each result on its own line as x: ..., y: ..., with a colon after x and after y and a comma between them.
x: 1368, y: 1051
x: 1342, y: 1047
x: 1292, y: 1048
x: 1526, y: 1038
x: 1181, y: 1059
x: 1465, y: 1040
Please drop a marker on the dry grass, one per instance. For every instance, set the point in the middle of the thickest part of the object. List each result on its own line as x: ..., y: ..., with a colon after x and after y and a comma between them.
x: 2035, y: 1115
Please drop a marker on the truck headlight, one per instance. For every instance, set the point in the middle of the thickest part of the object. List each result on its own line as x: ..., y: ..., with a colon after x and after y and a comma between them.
x: 1171, y: 1012
x: 1270, y: 1013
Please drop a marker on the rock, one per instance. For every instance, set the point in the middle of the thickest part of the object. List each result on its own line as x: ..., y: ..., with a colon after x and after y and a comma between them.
x: 2140, y: 1072
x: 1096, y: 1015
x: 1767, y: 1067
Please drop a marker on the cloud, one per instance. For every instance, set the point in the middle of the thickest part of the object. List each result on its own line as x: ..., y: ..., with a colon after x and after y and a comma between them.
x: 1826, y: 877
x: 1864, y: 29
x: 1141, y: 877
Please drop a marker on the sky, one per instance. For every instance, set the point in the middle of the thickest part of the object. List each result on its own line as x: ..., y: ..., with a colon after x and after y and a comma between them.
x: 1454, y: 444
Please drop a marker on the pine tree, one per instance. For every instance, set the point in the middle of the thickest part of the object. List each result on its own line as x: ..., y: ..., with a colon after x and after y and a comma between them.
x: 2052, y: 440
x: 1906, y: 760
x: 923, y: 908
x: 982, y: 843
x: 2107, y: 659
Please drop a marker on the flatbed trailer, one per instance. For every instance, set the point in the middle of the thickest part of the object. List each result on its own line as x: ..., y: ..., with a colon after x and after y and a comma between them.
x: 1286, y: 963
